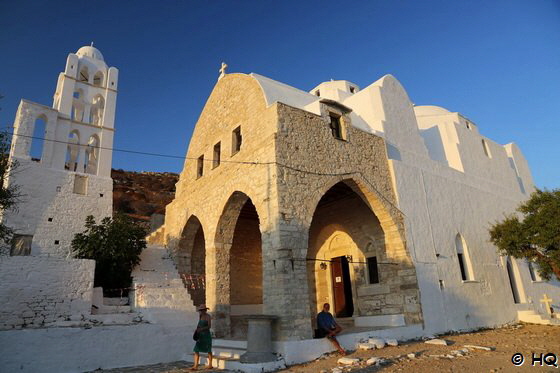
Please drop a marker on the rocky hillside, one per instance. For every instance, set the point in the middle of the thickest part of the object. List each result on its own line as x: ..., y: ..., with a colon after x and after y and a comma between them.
x: 142, y: 194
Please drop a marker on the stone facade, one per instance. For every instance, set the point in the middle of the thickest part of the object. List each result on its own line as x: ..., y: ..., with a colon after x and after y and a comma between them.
x: 287, y: 162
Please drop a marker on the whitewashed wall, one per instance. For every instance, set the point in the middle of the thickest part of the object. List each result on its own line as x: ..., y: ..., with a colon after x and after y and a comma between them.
x: 49, y: 194
x: 446, y: 184
x: 70, y: 350
x: 38, y: 291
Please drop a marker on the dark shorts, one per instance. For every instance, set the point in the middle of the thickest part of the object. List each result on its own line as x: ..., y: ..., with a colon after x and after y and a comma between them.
x: 322, y: 333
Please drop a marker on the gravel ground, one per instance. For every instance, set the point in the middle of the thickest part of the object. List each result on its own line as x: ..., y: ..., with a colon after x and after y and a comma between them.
x: 455, y: 357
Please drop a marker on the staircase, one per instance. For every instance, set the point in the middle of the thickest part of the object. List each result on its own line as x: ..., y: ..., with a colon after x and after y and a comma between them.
x: 530, y: 316
x: 159, y: 292
x: 161, y: 297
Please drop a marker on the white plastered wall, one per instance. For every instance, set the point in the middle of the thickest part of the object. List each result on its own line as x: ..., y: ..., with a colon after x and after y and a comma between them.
x: 446, y: 184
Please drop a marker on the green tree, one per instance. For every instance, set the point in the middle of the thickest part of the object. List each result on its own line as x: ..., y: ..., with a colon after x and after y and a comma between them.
x: 115, y: 245
x: 537, y: 236
x: 9, y: 194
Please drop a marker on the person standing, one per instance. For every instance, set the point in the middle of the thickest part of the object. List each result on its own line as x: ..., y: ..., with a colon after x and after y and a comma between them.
x: 327, y: 327
x: 204, y: 341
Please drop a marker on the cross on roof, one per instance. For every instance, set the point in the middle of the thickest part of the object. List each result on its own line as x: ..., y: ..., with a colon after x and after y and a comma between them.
x: 547, y: 301
x: 223, y: 70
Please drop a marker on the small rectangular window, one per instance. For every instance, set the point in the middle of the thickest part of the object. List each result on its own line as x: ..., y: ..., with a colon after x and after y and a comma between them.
x: 336, y: 128
x: 372, y: 270
x: 217, y: 151
x: 80, y: 184
x: 21, y: 245
x: 318, y: 93
x: 352, y: 89
x: 486, y: 149
x: 535, y: 277
x: 236, y: 140
x: 200, y: 166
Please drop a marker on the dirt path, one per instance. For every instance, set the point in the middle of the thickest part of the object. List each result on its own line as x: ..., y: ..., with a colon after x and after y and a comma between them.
x: 524, y: 338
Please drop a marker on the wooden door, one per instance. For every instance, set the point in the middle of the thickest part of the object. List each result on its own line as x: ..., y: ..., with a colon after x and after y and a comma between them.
x: 339, y: 297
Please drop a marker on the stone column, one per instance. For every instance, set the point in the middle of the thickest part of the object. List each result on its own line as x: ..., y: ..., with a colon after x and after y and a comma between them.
x: 217, y: 287
x: 285, y: 287
x: 259, y: 339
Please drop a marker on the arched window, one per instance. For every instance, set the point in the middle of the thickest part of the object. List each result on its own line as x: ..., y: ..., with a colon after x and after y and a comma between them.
x: 72, y: 151
x: 83, y: 76
x: 39, y: 132
x: 77, y: 113
x: 97, y: 109
x: 98, y: 79
x: 92, y: 155
x: 463, y: 258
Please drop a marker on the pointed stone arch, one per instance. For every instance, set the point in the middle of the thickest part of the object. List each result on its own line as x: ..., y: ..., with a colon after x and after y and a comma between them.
x: 389, y: 216
x: 238, y: 275
x: 353, y: 229
x: 190, y: 257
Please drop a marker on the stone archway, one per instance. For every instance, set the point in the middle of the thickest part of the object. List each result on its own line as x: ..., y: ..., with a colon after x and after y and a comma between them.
x: 352, y: 228
x: 239, y: 267
x: 190, y: 257
x: 344, y: 232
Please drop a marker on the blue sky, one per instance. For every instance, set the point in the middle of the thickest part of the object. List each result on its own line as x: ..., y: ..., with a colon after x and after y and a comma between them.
x: 497, y: 62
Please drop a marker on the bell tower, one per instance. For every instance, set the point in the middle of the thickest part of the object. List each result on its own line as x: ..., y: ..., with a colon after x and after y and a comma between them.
x: 64, y: 156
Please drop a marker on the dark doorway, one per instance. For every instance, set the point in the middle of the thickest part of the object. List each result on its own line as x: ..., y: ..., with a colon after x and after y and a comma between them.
x: 342, y: 287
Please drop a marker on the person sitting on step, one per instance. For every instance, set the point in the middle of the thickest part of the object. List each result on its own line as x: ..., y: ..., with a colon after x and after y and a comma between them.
x: 327, y: 327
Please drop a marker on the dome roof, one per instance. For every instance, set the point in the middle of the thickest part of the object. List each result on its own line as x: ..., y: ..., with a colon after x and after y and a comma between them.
x: 89, y: 51
x: 430, y: 110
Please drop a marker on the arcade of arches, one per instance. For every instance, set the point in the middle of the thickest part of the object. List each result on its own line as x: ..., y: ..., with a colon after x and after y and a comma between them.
x: 348, y: 264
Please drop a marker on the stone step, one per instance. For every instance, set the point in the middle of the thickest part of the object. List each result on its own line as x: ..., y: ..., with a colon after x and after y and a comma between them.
x: 115, y: 301
x: 233, y: 364
x: 227, y: 351
x: 232, y: 343
x: 171, y: 318
x: 530, y: 316
x: 117, y: 319
x: 104, y: 310
x: 346, y: 322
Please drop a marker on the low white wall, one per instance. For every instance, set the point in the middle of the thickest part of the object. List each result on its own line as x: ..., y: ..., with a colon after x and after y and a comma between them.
x: 64, y: 350
x: 39, y: 291
x: 296, y: 352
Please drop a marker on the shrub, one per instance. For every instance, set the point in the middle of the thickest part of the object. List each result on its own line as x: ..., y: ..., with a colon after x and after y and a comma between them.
x: 115, y: 245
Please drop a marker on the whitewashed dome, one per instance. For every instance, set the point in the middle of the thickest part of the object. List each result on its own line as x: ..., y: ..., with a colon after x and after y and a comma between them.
x: 89, y: 51
x: 430, y: 110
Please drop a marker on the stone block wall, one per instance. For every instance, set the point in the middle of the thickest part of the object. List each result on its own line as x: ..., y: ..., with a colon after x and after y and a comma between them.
x: 39, y: 291
x: 310, y: 161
